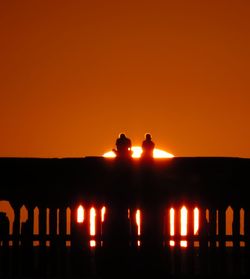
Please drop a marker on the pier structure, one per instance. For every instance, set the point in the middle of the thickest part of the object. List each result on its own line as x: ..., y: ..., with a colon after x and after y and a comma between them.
x: 131, y: 217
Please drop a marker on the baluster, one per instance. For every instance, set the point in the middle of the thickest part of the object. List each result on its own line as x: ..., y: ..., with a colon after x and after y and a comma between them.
x: 27, y: 263
x: 236, y: 240
x: 53, y: 262
x: 168, y: 238
x: 42, y: 238
x: 31, y: 219
x: 133, y: 227
x: 212, y: 227
x: 222, y: 239
x: 15, y: 268
x: 62, y: 223
x: 247, y: 238
x: 42, y: 225
x: 16, y: 224
x: 4, y: 249
x: 190, y: 237
x: 61, y: 253
x: 53, y: 225
x: 177, y: 237
x: 203, y: 236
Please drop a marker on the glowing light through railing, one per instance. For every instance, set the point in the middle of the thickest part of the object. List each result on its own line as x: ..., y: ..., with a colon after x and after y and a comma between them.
x: 171, y: 220
x: 196, y: 220
x: 138, y: 223
x: 183, y: 225
x: 92, y: 216
x: 80, y: 214
x: 137, y: 151
x: 103, y: 212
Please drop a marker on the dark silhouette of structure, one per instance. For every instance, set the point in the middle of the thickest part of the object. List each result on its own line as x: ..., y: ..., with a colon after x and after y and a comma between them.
x: 4, y: 228
x: 52, y: 189
x: 123, y: 147
x: 147, y: 147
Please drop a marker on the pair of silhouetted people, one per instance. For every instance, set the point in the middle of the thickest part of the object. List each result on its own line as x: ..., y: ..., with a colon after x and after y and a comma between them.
x: 124, y: 147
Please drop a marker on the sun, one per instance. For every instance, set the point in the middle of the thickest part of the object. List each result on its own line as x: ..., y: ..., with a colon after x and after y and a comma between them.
x: 158, y: 153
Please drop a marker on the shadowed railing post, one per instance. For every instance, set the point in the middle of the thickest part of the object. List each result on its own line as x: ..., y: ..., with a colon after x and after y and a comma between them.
x: 212, y: 240
x: 42, y: 269
x: 61, y: 250
x: 212, y: 226
x: 52, y: 225
x: 203, y: 234
x: 16, y: 224
x: 96, y: 242
x: 190, y: 244
x: 27, y: 259
x: 153, y: 207
x: 15, y: 268
x: 4, y: 246
x: 134, y: 185
x: 53, y: 257
x: 168, y: 237
x: 177, y: 234
x: 247, y: 237
x: 236, y: 240
x: 222, y: 238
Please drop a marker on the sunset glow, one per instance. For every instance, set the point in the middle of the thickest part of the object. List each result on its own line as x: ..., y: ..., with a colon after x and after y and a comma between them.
x: 182, y: 220
x: 92, y: 216
x: 158, y: 153
x: 171, y: 220
x: 196, y: 220
x: 80, y: 214
x: 138, y: 223
x: 103, y: 212
x: 183, y: 224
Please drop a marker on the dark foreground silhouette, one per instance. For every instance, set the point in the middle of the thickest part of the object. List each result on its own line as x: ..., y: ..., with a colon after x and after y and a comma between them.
x: 123, y: 147
x: 55, y: 187
x: 147, y: 147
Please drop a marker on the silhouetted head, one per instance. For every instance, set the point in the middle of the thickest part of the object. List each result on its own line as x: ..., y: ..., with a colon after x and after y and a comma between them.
x: 122, y: 136
x: 148, y: 137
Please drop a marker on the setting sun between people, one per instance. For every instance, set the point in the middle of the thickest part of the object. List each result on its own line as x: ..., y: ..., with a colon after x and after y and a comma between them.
x: 158, y: 153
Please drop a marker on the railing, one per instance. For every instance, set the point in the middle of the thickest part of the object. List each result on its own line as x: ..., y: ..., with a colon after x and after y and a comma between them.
x: 51, y: 243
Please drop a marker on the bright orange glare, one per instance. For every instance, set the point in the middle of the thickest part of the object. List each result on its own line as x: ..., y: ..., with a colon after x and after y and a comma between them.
x: 92, y: 221
x: 138, y: 221
x: 184, y: 225
x: 103, y: 211
x: 92, y: 217
x: 172, y: 243
x: 158, y: 153
x: 80, y: 214
x: 92, y: 243
x: 196, y: 220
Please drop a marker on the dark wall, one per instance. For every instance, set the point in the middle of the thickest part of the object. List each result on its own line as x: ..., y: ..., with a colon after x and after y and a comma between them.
x: 216, y: 180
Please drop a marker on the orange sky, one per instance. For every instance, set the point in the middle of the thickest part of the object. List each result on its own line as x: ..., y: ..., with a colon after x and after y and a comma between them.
x: 74, y: 74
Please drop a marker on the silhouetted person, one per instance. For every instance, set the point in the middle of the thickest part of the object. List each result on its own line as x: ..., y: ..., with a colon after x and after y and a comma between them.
x: 123, y: 147
x: 148, y: 147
